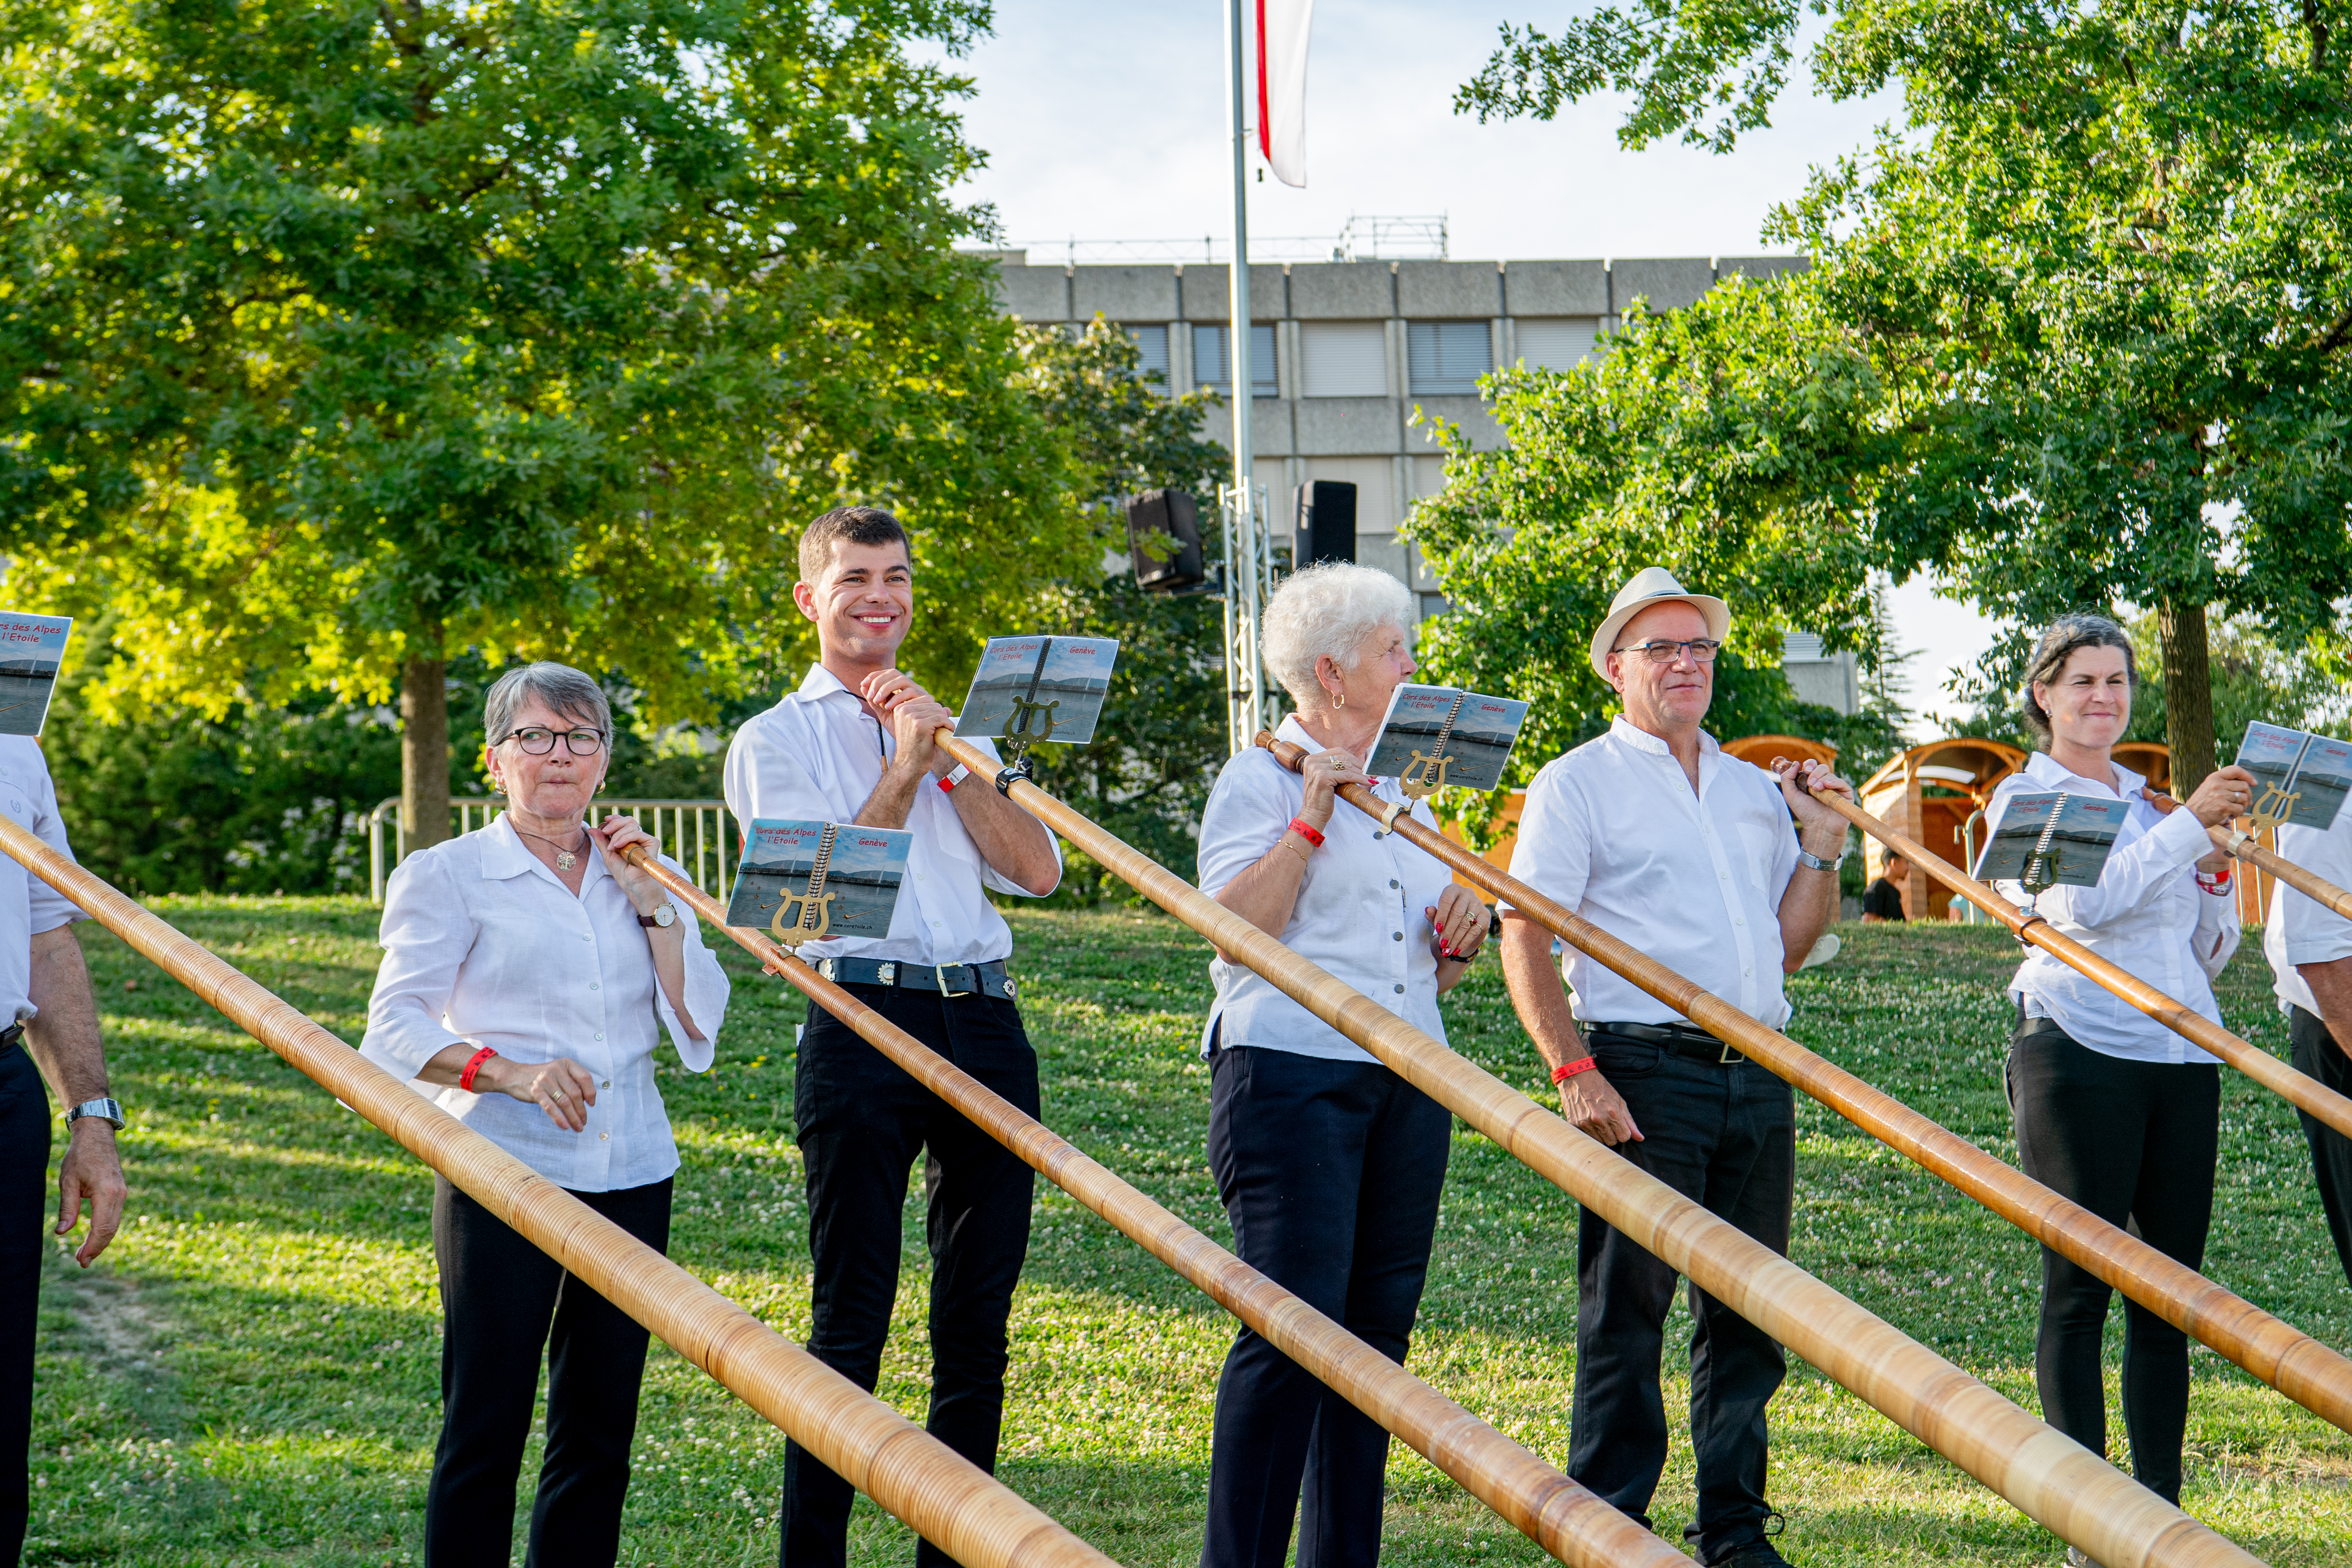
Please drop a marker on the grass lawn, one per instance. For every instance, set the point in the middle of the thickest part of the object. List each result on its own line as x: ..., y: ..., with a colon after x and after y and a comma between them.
x: 249, y: 1376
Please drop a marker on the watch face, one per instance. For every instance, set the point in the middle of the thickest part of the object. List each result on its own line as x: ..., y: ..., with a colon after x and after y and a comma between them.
x: 667, y: 914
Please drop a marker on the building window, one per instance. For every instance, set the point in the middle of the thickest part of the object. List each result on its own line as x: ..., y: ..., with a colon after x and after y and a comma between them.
x: 1802, y: 648
x: 1343, y: 359
x: 1447, y: 358
x: 1151, y: 354
x: 1553, y: 346
x: 1212, y: 366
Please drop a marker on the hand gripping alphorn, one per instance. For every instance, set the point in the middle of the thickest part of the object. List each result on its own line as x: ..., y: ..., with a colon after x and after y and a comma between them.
x: 2282, y: 1355
x: 2306, y: 1093
x: 2047, y: 1475
x: 1556, y: 1514
x: 942, y: 1495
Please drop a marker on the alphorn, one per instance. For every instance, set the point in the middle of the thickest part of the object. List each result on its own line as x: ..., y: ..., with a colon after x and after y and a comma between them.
x: 2306, y: 1093
x: 2049, y: 1478
x: 2241, y: 844
x: 2281, y: 1355
x: 1555, y: 1512
x: 942, y: 1495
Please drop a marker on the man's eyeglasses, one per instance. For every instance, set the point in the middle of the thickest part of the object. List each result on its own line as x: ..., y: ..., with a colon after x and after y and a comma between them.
x: 539, y: 742
x: 1702, y: 650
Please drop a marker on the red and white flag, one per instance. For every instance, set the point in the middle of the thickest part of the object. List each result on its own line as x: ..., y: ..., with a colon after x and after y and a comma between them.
x: 1282, y: 27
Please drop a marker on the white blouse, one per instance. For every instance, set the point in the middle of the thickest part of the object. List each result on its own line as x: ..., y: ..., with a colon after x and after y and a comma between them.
x: 2146, y: 914
x: 1358, y: 913
x: 483, y: 945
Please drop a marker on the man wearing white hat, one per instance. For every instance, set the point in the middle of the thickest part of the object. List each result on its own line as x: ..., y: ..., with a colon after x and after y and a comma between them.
x: 1727, y: 874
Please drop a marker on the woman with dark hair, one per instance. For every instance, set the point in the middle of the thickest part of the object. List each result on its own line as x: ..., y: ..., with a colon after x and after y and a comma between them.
x: 2114, y: 1110
x: 529, y: 974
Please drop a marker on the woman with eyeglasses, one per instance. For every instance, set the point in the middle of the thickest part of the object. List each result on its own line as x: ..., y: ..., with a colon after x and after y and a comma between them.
x: 528, y: 973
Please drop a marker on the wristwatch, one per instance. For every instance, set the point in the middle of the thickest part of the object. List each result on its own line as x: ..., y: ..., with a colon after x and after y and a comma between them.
x: 664, y: 916
x: 104, y: 1110
x: 1807, y: 859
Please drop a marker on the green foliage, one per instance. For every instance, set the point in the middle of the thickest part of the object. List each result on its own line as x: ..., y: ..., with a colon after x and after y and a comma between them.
x: 2252, y: 678
x: 2097, y: 274
x: 341, y: 334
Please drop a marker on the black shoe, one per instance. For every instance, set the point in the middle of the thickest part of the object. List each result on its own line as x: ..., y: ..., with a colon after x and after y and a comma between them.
x: 1755, y: 1554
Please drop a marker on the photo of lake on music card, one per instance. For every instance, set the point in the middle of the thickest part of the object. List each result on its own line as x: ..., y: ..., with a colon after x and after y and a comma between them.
x: 1068, y: 676
x: 31, y: 654
x: 2321, y: 783
x: 867, y: 868
x: 1477, y: 748
x: 2269, y: 752
x: 2078, y: 846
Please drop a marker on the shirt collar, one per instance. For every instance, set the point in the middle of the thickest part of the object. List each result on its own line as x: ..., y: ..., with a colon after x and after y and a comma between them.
x: 818, y: 684
x: 2051, y: 774
x: 1642, y: 740
x: 505, y: 855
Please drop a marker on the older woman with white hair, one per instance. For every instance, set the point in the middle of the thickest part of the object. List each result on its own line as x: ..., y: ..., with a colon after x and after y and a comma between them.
x: 529, y: 971
x: 1328, y: 1164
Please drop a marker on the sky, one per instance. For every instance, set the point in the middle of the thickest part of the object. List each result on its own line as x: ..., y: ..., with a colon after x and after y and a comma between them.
x: 1108, y: 120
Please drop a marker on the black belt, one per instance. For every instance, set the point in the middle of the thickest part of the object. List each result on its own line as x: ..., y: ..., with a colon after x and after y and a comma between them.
x: 9, y: 1036
x: 1680, y: 1038
x: 948, y: 979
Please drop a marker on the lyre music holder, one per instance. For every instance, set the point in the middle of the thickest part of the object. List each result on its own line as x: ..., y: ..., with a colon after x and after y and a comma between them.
x: 1425, y: 776
x: 815, y: 903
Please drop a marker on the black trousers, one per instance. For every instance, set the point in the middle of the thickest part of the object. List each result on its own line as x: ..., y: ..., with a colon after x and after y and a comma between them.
x: 1330, y: 1172
x: 2130, y: 1141
x: 2318, y: 1054
x: 23, y: 1183
x: 502, y: 1301
x: 1726, y: 1137
x: 861, y: 1121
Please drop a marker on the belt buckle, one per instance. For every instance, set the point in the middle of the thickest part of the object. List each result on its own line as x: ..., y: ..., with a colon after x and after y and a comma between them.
x: 1729, y: 1059
x: 943, y: 969
x: 823, y: 965
x: 884, y: 974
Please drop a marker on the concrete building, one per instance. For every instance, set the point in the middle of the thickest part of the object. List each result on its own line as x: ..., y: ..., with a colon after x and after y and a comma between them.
x: 1343, y: 352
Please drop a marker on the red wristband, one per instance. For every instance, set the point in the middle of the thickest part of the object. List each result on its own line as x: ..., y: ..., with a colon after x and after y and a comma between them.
x: 1306, y: 830
x: 946, y: 784
x: 473, y: 1065
x: 1566, y: 1070
x: 2217, y: 883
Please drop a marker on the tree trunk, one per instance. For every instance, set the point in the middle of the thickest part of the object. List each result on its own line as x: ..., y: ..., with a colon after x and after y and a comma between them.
x: 2188, y: 693
x: 424, y: 752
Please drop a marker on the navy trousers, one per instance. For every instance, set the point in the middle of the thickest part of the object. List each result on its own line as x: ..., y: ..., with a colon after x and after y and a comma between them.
x: 1330, y: 1172
x: 861, y: 1121
x: 23, y: 1183
x: 2317, y: 1054
x: 1726, y: 1137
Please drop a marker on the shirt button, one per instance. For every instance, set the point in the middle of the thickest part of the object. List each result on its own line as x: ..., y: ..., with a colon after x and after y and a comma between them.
x: 1392, y: 881
x: 593, y: 986
x: 1398, y: 935
x: 603, y: 1135
x: 1400, y: 990
x: 1735, y: 920
x: 1749, y: 972
x: 608, y: 1082
x: 600, y: 1034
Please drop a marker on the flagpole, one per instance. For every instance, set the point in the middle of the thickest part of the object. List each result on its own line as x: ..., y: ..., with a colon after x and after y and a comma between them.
x: 1246, y: 676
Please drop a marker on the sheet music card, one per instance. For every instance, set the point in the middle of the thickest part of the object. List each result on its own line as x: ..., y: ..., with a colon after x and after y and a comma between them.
x: 2070, y: 833
x: 862, y: 876
x: 1463, y: 738
x: 32, y: 654
x: 1038, y: 689
x: 2314, y: 770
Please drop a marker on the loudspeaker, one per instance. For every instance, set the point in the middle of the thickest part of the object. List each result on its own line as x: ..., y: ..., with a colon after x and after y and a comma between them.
x: 1163, y: 539
x: 1325, y: 528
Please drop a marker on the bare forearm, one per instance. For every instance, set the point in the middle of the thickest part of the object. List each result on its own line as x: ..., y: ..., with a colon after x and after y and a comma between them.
x: 1016, y: 846
x: 1265, y: 894
x: 668, y: 944
x: 2331, y: 987
x: 1537, y: 994
x: 892, y: 799
x: 1808, y: 906
x: 65, y: 1040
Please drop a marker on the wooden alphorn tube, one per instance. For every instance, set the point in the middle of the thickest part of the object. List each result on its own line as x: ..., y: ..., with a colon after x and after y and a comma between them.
x: 942, y: 1495
x: 2242, y: 846
x: 1564, y: 1517
x: 2281, y: 1355
x: 2047, y: 1475
x: 2306, y: 1093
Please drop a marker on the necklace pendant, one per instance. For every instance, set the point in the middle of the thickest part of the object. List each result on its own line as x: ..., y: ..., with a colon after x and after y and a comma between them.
x: 565, y: 859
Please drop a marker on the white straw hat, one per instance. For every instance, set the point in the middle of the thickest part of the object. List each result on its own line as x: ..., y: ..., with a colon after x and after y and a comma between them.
x: 1654, y: 586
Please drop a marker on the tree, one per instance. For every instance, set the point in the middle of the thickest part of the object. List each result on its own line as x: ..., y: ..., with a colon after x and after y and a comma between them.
x: 345, y: 337
x: 2097, y: 273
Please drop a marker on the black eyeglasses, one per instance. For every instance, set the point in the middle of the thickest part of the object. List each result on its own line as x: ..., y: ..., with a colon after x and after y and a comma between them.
x: 539, y: 742
x: 1702, y: 650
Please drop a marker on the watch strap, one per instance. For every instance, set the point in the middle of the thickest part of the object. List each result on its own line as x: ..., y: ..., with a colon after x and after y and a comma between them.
x: 1807, y: 858
x: 105, y: 1108
x: 661, y: 919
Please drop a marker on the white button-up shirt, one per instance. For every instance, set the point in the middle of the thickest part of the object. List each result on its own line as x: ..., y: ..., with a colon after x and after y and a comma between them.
x: 2302, y: 930
x: 2146, y: 915
x: 483, y: 946
x: 28, y: 906
x: 1358, y: 914
x: 1613, y: 831
x: 818, y: 756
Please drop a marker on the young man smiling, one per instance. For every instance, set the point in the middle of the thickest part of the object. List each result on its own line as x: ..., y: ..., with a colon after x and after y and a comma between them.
x: 854, y: 745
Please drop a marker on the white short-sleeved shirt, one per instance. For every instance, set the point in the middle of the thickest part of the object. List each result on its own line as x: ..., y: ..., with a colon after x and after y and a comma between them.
x: 2300, y: 929
x: 1360, y: 913
x: 818, y: 756
x: 483, y: 944
x: 1613, y: 831
x: 28, y: 906
x: 2146, y: 914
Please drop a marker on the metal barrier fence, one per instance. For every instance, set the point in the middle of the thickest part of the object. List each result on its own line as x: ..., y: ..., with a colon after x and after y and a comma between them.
x: 699, y: 835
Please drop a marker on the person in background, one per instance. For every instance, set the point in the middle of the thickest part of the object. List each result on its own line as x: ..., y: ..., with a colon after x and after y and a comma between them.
x: 2309, y: 947
x: 51, y: 1034
x: 1883, y: 899
x: 1726, y: 873
x: 2114, y: 1110
x: 1330, y: 1165
x: 529, y: 974
x: 854, y: 744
